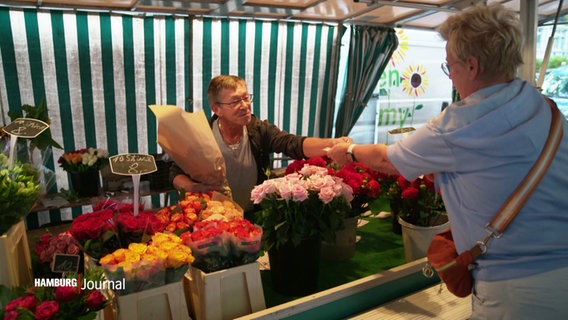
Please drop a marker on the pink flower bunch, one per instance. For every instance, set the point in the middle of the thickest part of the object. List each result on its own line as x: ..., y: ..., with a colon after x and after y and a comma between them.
x: 309, y: 202
x: 298, y: 186
x: 49, y: 245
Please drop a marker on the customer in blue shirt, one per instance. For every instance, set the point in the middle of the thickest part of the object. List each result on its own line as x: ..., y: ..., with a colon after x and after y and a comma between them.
x: 479, y: 149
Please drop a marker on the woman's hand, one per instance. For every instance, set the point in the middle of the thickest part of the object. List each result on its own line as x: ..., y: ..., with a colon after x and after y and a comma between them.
x: 338, y: 153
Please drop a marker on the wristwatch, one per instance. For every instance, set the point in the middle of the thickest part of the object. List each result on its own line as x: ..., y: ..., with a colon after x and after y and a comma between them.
x: 350, y: 152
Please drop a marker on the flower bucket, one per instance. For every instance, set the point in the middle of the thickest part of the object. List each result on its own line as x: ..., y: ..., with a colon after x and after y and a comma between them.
x: 416, y: 239
x: 294, y: 270
x: 86, y: 183
x: 343, y: 248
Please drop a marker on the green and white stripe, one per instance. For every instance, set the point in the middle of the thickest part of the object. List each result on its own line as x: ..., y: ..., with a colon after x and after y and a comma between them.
x: 98, y: 72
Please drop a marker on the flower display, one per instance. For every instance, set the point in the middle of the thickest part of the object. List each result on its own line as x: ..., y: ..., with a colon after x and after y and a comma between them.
x: 19, y: 191
x: 197, y: 206
x: 96, y: 232
x: 303, y: 204
x: 218, y: 244
x: 48, y: 245
x: 137, y: 228
x: 417, y: 202
x: 55, y: 303
x: 83, y: 160
x: 362, y: 179
x: 144, y: 266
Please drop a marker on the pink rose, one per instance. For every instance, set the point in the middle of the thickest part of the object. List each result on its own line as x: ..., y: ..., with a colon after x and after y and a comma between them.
x: 326, y: 194
x: 73, y: 249
x: 299, y: 193
x: 47, y: 310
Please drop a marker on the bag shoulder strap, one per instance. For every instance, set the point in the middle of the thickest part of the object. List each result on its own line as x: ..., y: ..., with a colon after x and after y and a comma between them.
x: 519, y: 197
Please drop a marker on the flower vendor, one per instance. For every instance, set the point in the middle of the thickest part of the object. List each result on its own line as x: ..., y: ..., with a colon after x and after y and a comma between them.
x: 246, y: 142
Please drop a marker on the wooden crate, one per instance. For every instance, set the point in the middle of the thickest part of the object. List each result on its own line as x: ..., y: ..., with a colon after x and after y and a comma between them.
x: 225, y: 294
x: 15, y: 257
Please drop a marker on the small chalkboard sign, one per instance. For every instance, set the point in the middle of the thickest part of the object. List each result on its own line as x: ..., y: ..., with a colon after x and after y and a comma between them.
x: 129, y: 164
x: 65, y: 263
x: 26, y: 127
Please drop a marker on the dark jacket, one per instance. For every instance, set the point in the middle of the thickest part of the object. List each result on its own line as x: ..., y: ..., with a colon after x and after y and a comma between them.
x: 265, y: 139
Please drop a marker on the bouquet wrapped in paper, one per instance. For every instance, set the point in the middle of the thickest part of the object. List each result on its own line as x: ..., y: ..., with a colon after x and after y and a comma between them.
x: 187, y: 138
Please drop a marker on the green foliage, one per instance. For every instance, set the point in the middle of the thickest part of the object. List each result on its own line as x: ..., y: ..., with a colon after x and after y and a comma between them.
x: 44, y: 140
x: 19, y: 190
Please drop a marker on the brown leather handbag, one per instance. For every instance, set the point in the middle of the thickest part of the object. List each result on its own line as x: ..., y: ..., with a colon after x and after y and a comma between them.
x: 453, y: 268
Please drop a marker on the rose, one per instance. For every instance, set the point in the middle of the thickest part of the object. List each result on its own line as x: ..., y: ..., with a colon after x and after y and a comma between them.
x: 65, y: 294
x: 47, y: 310
x: 94, y: 299
x: 11, y: 315
x: 27, y: 302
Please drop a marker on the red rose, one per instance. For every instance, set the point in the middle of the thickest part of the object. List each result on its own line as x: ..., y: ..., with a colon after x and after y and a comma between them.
x: 27, y: 302
x: 410, y: 193
x: 11, y: 315
x: 47, y: 310
x: 65, y: 294
x: 94, y: 300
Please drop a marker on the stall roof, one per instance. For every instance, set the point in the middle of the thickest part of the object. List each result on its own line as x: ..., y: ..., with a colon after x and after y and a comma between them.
x: 422, y: 14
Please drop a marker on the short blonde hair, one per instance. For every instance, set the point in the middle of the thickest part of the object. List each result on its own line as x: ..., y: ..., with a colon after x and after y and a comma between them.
x: 490, y: 33
x: 221, y: 82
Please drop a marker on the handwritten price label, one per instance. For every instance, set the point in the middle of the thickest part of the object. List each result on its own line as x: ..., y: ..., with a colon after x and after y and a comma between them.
x: 26, y: 128
x: 65, y: 263
x: 130, y: 164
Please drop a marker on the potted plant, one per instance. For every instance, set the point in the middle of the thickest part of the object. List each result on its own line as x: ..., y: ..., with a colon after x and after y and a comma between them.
x: 298, y: 211
x: 421, y: 213
x: 83, y: 166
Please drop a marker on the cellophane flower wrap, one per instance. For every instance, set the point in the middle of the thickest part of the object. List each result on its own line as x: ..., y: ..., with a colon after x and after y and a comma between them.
x: 131, y: 228
x: 210, y: 245
x: 145, y: 266
x: 308, y: 203
x: 19, y: 190
x: 219, y: 245
x: 57, y: 303
x: 96, y: 232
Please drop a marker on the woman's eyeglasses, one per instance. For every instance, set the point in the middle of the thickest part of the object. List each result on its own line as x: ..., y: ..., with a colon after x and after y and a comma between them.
x: 233, y: 104
x: 446, y: 68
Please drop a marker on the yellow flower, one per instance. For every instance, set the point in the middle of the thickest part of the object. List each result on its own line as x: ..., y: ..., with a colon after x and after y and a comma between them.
x: 160, y: 237
x: 131, y: 257
x: 108, y: 259
x: 167, y: 246
x: 161, y: 254
x: 176, y: 259
x: 119, y: 255
x: 139, y: 248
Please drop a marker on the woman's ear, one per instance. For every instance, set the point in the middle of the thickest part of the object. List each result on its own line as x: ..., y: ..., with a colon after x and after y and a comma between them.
x: 472, y: 67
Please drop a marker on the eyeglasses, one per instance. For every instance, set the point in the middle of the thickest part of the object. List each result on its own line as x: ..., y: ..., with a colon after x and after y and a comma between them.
x: 233, y: 104
x: 446, y: 68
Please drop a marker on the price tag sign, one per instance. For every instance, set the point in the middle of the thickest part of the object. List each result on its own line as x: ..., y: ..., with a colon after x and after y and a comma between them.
x: 26, y: 128
x: 129, y: 164
x: 133, y: 164
x: 65, y: 263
